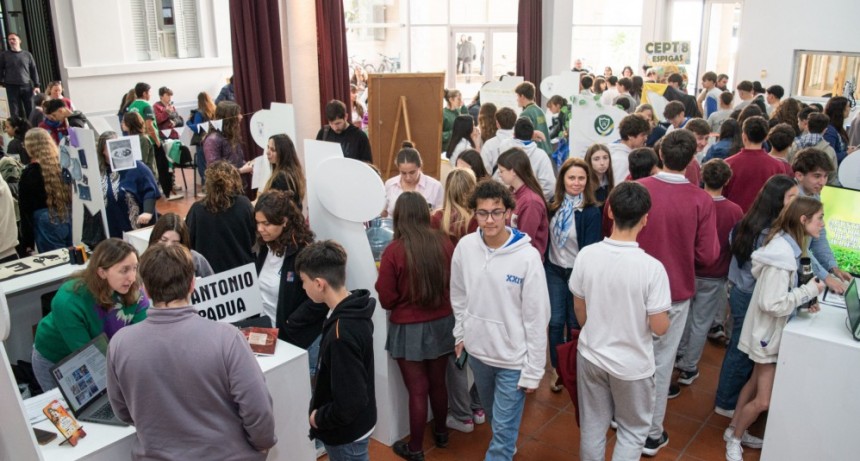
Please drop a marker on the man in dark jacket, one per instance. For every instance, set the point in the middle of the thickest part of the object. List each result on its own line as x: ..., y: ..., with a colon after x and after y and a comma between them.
x: 343, y: 407
x: 19, y: 75
x: 352, y: 140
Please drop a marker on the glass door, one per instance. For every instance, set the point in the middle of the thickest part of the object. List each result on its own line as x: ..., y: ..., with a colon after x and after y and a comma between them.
x: 686, y: 25
x: 479, y: 54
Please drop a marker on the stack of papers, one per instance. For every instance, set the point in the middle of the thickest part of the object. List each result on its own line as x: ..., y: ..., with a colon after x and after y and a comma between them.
x: 34, y: 405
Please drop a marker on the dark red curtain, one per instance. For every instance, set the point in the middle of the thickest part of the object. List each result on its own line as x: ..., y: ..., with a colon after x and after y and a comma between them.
x: 331, y: 47
x: 258, y: 63
x: 529, y: 43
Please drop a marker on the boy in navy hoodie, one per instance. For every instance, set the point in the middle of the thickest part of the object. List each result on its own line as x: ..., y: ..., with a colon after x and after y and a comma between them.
x: 501, y: 310
x: 343, y: 407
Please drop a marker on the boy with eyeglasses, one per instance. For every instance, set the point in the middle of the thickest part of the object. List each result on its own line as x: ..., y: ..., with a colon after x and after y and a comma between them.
x: 501, y: 307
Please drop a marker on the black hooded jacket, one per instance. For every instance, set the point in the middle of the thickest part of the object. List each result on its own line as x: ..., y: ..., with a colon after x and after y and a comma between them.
x: 344, y: 393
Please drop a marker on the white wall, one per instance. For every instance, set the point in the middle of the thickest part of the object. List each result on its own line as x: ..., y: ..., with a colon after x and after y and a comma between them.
x: 95, y: 46
x: 771, y: 30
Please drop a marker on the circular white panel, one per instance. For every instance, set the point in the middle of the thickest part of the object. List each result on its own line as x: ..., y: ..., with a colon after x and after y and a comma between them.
x: 849, y: 171
x: 350, y: 190
x: 264, y: 124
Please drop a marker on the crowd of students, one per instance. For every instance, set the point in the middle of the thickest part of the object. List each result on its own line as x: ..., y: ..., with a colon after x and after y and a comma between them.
x: 491, y: 271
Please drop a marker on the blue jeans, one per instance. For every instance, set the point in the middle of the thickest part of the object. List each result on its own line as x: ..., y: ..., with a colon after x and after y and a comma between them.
x: 561, y: 318
x: 355, y: 451
x: 737, y: 366
x: 51, y: 235
x: 200, y: 160
x: 313, y: 355
x: 503, y: 404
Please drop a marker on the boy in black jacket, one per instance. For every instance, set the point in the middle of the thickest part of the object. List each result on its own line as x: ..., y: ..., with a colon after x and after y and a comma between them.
x: 343, y: 407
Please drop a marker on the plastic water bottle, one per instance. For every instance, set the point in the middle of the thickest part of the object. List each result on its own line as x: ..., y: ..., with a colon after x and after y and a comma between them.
x: 379, y: 234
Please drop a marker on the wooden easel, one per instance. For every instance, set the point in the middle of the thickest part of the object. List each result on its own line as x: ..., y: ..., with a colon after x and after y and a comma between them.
x: 403, y: 112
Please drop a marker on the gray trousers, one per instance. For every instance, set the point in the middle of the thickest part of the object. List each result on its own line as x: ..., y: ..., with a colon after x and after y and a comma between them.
x: 462, y: 399
x: 665, y: 348
x: 710, y: 298
x: 602, y: 396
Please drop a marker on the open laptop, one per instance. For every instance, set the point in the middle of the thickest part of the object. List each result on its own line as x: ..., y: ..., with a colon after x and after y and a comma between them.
x: 82, y: 378
x: 852, y: 305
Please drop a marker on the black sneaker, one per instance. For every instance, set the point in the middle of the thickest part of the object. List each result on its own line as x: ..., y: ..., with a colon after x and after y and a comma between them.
x: 687, y: 377
x: 674, y: 390
x: 652, y: 446
x: 717, y: 332
x: 441, y: 439
x: 402, y: 450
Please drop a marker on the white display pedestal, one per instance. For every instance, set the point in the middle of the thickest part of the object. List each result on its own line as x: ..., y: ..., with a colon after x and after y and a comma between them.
x: 288, y: 382
x: 814, y: 408
x: 25, y: 308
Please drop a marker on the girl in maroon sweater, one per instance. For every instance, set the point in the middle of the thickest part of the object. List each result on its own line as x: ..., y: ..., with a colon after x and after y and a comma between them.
x: 530, y: 215
x: 420, y: 333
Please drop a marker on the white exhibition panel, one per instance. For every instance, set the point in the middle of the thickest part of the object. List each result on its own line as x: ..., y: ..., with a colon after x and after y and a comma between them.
x: 17, y: 442
x: 331, y: 179
x: 814, y: 405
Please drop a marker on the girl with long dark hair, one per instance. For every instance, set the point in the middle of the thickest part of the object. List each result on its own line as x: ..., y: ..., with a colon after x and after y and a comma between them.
x: 287, y: 175
x: 748, y: 235
x: 420, y: 335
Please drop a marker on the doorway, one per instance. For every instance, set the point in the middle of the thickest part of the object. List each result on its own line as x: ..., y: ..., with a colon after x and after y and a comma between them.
x: 479, y: 54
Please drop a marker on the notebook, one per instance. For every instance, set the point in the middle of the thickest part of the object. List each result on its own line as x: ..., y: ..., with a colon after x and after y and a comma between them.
x: 82, y: 379
x: 852, y: 305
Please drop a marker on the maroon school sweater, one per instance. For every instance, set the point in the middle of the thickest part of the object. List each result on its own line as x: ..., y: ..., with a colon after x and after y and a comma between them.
x: 681, y: 230
x: 751, y: 168
x: 392, y: 286
x: 531, y: 217
x: 728, y: 214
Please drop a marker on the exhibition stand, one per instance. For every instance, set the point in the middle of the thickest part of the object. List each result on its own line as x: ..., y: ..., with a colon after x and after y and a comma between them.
x: 814, y: 407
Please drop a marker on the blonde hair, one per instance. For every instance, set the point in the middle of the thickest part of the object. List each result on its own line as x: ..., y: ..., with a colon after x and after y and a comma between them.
x: 456, y: 213
x: 43, y: 150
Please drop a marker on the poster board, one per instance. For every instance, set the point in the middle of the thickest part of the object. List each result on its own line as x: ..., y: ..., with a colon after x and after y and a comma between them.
x: 79, y: 149
x: 592, y: 122
x: 502, y: 93
x: 662, y: 53
x: 424, y: 98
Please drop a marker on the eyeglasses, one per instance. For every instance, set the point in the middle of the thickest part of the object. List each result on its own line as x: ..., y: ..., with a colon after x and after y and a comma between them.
x: 497, y: 214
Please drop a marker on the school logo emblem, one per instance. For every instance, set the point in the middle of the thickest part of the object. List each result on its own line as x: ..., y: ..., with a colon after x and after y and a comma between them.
x: 603, y: 125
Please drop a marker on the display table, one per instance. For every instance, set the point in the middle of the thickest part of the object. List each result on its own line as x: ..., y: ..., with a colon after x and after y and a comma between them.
x: 814, y: 405
x: 25, y: 308
x: 289, y: 385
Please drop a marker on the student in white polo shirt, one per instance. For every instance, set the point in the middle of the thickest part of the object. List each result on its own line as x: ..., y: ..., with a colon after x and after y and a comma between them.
x: 615, y: 366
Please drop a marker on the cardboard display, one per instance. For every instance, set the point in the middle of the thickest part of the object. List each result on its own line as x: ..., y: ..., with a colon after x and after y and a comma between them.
x: 502, y: 94
x: 81, y: 152
x: 398, y: 105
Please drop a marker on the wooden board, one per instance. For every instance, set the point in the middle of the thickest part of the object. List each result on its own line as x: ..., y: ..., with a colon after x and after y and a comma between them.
x: 423, y: 94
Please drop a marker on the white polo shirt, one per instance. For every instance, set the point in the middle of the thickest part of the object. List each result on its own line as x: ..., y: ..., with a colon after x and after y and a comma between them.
x: 622, y: 285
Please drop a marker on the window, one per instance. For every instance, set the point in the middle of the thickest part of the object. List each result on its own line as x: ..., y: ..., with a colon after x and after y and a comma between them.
x: 820, y: 74
x: 165, y: 29
x: 607, y: 33
x: 374, y: 34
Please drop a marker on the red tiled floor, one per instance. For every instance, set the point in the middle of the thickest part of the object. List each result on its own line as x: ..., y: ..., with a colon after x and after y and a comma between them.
x: 549, y: 432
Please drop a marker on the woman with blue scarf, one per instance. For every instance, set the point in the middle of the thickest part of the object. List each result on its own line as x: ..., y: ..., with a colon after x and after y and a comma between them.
x: 574, y: 223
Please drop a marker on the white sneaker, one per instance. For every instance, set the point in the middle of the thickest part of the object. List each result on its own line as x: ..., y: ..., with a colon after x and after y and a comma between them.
x: 462, y: 426
x: 723, y: 412
x: 734, y: 452
x: 748, y: 440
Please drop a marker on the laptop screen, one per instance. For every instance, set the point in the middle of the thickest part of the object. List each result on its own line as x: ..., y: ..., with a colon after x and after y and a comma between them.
x: 852, y: 305
x: 842, y: 218
x: 82, y: 376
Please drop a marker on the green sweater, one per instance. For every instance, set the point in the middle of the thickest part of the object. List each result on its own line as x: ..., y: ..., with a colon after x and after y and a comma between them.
x: 536, y: 115
x: 448, y: 116
x: 75, y: 319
